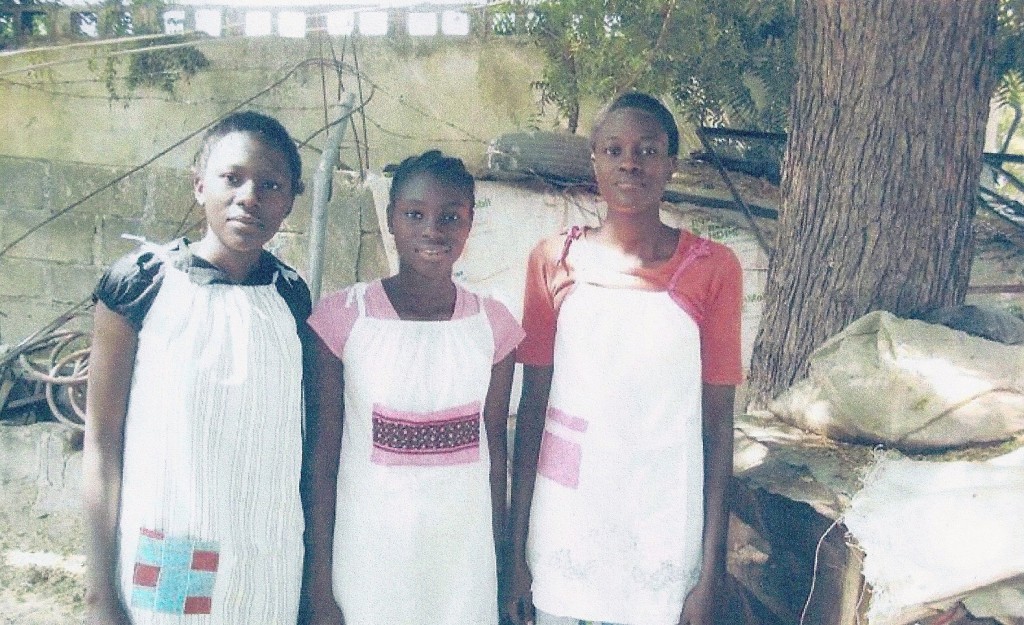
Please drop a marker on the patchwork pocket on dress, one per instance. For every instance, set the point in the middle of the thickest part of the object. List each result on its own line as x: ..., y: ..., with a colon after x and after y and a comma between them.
x: 174, y: 574
x: 444, y: 437
x: 561, y: 453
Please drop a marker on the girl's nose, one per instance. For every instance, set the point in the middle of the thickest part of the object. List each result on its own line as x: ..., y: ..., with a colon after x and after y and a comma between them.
x: 245, y: 194
x: 630, y: 161
x: 432, y: 228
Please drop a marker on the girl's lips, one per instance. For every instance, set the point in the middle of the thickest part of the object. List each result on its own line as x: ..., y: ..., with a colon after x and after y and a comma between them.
x: 246, y: 220
x: 434, y: 250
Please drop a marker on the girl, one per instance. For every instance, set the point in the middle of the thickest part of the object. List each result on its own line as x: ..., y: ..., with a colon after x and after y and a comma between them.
x: 412, y: 377
x: 624, y: 437
x: 194, y: 430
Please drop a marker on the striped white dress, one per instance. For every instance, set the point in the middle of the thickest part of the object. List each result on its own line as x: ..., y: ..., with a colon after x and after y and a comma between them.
x: 211, y: 521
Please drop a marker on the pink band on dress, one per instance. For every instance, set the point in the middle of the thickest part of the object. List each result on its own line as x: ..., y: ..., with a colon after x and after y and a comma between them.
x: 444, y: 437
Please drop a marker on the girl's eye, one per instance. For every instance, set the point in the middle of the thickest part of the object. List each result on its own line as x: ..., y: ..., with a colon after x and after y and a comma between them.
x: 271, y: 185
x: 613, y: 150
x: 450, y: 217
x: 649, y: 151
x: 231, y: 179
x: 413, y: 214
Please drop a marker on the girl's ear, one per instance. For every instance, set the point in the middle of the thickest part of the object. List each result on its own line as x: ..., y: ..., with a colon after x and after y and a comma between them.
x: 198, y: 188
x: 390, y: 220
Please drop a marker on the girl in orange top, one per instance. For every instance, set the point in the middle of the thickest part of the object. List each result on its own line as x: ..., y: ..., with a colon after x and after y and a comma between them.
x: 624, y: 435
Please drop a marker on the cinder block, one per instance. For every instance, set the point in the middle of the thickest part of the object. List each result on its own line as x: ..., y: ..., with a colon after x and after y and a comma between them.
x: 66, y: 239
x: 21, y: 277
x: 293, y: 250
x: 169, y: 195
x: 70, y: 284
x: 368, y: 221
x: 20, y: 317
x: 302, y: 214
x: 71, y: 182
x: 373, y: 260
x: 24, y: 184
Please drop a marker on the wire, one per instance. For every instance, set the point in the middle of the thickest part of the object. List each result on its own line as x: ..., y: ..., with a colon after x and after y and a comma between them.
x: 150, y: 160
x: 81, y: 59
x: 86, y: 44
x: 814, y: 572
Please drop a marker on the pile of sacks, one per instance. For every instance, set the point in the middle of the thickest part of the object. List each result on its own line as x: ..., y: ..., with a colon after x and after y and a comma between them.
x: 934, y: 533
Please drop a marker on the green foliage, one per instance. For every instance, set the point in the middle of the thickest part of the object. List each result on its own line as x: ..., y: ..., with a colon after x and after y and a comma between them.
x: 723, y: 61
x: 164, y: 68
x: 161, y: 68
x: 1009, y: 55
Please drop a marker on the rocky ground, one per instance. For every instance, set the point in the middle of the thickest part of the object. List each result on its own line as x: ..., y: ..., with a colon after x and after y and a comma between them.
x: 42, y: 562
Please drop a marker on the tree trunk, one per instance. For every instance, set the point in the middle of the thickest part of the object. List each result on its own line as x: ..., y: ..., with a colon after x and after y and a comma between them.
x: 880, y: 172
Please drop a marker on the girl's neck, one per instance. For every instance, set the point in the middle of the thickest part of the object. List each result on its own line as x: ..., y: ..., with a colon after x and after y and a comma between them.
x: 236, y: 265
x: 641, y: 235
x: 420, y: 298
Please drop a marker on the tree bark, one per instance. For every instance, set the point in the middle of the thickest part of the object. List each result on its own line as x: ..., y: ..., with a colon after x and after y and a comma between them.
x: 880, y: 171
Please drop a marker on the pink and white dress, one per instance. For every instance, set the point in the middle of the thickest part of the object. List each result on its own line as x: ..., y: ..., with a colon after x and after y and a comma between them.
x: 617, y: 515
x: 413, y: 540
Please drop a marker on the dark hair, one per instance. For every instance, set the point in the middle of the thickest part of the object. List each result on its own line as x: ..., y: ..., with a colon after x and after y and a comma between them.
x: 647, y: 104
x: 269, y: 131
x: 447, y: 170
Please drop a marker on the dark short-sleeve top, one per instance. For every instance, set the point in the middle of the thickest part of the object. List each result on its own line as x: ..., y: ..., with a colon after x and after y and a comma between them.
x: 131, y: 284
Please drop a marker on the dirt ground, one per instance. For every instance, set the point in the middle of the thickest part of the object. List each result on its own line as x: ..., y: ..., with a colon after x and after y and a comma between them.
x: 42, y: 561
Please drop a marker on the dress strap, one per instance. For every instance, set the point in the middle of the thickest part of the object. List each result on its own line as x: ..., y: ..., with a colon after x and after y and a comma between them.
x: 574, y: 233
x: 357, y: 295
x: 699, y: 249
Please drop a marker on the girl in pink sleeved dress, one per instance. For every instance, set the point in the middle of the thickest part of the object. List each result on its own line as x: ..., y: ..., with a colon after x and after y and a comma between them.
x: 411, y: 392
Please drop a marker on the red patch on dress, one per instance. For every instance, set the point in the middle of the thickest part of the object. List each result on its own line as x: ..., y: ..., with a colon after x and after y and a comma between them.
x: 198, y: 605
x: 146, y: 575
x: 205, y: 560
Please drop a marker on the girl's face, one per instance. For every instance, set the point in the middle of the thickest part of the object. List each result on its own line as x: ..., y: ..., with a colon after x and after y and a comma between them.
x: 245, y: 189
x: 631, y: 161
x: 430, y: 222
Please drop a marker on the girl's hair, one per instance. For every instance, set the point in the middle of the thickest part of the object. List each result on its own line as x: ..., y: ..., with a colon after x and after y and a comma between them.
x: 647, y: 104
x: 268, y: 129
x: 447, y: 170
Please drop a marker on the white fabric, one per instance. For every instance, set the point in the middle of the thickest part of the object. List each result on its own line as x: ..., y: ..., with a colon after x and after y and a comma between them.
x: 933, y: 531
x: 543, y: 618
x: 909, y: 384
x: 213, y: 445
x: 414, y: 544
x: 624, y: 544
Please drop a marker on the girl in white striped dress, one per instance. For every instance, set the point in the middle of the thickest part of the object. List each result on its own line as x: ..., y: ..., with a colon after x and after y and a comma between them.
x: 194, y: 412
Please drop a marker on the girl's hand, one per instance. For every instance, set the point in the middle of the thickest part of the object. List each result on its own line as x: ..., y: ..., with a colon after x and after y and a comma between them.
x: 520, y: 599
x: 107, y: 613
x: 699, y: 607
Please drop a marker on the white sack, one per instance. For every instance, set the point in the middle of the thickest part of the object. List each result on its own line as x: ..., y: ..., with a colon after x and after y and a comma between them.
x: 933, y: 531
x: 909, y: 384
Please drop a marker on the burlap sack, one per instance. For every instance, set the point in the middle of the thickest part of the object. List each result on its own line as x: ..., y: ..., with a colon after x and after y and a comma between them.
x: 909, y: 384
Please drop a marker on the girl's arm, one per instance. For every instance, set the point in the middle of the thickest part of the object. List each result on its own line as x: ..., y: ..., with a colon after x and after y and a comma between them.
x: 718, y: 403
x: 529, y: 429
x: 324, y: 419
x: 496, y: 422
x: 111, y: 363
